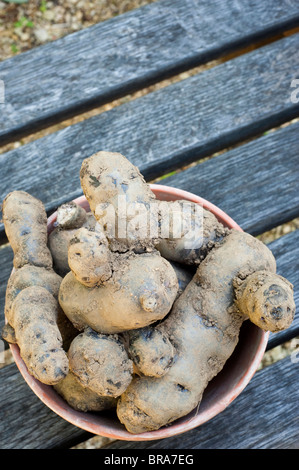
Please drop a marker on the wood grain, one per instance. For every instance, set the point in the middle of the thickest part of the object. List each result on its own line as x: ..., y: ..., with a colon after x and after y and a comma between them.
x: 26, y: 423
x: 167, y: 128
x: 255, y: 183
x: 286, y: 252
x: 264, y: 416
x: 113, y: 58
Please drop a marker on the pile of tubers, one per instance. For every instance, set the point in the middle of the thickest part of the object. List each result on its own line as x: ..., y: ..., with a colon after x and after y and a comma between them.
x: 115, y: 311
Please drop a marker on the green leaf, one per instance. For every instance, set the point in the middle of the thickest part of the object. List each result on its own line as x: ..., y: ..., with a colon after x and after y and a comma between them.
x: 167, y: 175
x: 43, y: 6
x: 14, y: 48
x: 24, y: 22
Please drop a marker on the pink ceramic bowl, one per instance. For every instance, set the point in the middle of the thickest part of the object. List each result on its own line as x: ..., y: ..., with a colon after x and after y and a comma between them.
x: 222, y: 390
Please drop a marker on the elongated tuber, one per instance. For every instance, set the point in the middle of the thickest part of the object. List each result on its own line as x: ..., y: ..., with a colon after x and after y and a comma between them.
x: 25, y: 222
x: 32, y: 309
x: 203, y: 328
x: 34, y: 317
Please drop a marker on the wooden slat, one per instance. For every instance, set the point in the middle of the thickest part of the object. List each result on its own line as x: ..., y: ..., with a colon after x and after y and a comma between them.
x: 264, y: 416
x: 286, y: 252
x: 6, y: 258
x: 25, y: 422
x: 256, y: 183
x: 167, y: 128
x: 113, y: 58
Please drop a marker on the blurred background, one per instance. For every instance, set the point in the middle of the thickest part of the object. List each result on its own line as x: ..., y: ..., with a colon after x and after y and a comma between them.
x: 25, y: 24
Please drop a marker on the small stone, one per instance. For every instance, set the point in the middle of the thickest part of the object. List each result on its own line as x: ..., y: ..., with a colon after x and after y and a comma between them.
x: 41, y: 35
x: 49, y: 15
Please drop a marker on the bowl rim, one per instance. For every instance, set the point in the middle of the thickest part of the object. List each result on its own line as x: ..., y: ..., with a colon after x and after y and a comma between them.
x: 86, y: 421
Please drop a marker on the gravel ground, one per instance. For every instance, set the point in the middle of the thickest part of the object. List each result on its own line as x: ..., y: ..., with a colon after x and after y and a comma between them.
x: 36, y: 22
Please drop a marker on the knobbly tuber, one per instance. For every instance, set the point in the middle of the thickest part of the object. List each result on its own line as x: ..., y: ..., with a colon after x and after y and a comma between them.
x: 89, y: 257
x: 69, y: 220
x: 70, y: 216
x: 199, y: 231
x: 157, y: 293
x: 267, y: 299
x: 151, y: 351
x: 82, y: 398
x: 31, y: 307
x: 140, y: 291
x: 34, y: 315
x: 113, y: 186
x: 203, y: 328
x: 25, y: 222
x: 100, y: 363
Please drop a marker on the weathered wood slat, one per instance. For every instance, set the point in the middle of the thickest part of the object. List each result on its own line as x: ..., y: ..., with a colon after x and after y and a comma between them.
x: 286, y: 252
x: 113, y: 58
x: 167, y: 128
x: 25, y: 422
x: 264, y: 416
x: 6, y: 258
x: 256, y: 183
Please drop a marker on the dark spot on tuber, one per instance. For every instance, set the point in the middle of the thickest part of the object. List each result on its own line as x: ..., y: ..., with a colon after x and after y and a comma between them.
x: 94, y: 181
x: 181, y: 388
x: 58, y: 372
x: 124, y: 187
x: 277, y: 313
x: 136, y: 358
x: 74, y: 240
x: 43, y: 357
x: 147, y: 333
x: 117, y: 384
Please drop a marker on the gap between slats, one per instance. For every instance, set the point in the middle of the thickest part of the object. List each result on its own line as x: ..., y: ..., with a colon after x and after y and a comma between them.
x: 161, y: 82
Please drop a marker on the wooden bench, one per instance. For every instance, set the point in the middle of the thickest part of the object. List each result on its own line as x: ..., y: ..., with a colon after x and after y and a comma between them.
x: 240, y: 110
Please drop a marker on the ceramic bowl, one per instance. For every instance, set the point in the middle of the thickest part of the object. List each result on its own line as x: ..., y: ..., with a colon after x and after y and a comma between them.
x: 221, y: 391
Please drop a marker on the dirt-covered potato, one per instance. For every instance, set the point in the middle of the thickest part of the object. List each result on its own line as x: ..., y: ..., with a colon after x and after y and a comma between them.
x: 141, y: 291
x: 100, y: 363
x: 82, y: 398
x: 132, y: 324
